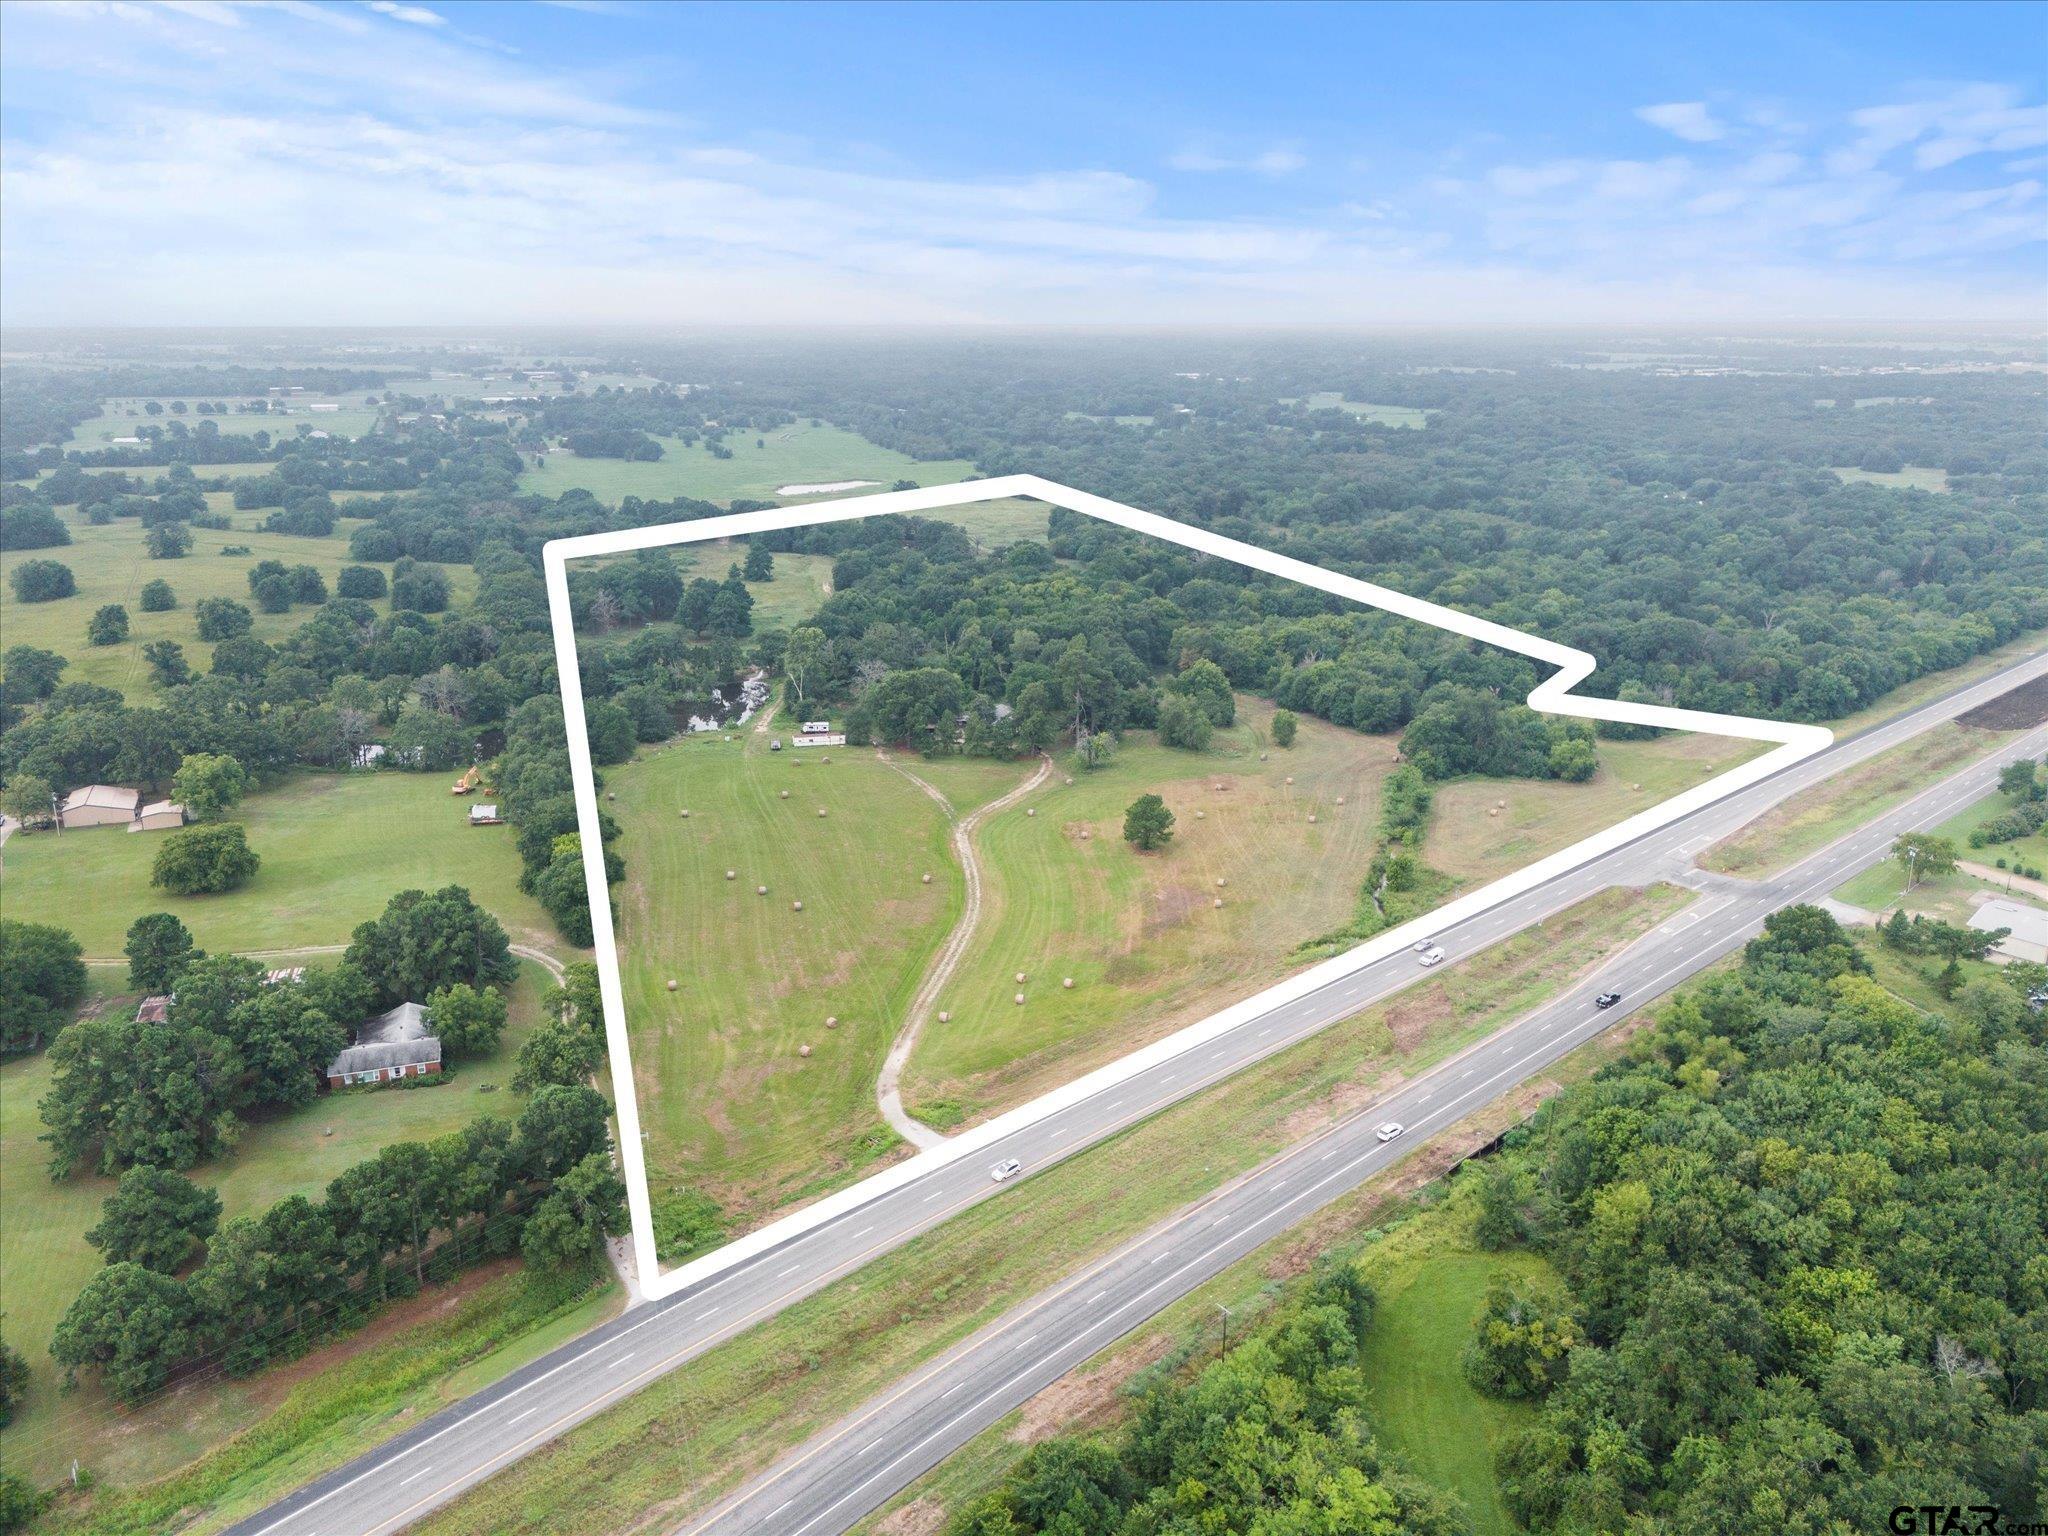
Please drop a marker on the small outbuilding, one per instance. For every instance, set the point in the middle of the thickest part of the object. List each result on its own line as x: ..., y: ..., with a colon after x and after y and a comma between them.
x: 391, y: 1046
x: 157, y: 815
x: 98, y: 805
x: 484, y: 816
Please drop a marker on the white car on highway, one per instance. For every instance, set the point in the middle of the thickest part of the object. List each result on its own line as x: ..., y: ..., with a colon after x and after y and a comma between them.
x: 1006, y: 1170
x: 1432, y: 956
x: 1390, y: 1130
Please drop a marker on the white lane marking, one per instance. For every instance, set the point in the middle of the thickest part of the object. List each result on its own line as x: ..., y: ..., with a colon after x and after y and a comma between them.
x: 423, y: 1471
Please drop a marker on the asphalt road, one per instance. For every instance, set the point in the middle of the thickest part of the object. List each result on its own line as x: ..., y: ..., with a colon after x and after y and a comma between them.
x: 840, y: 1477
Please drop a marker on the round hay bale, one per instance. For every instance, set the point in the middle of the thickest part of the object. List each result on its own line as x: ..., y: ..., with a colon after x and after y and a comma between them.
x: 821, y: 813
x: 1018, y: 998
x: 1635, y: 786
x: 1084, y: 834
x: 1340, y: 799
x: 1290, y: 778
x: 1311, y: 818
x: 1500, y: 805
x: 684, y: 814
x: 803, y: 1050
x: 1492, y: 810
x: 926, y: 881
x: 1031, y: 811
x: 760, y: 890
x: 796, y: 906
x: 732, y: 874
x: 1262, y: 757
x: 831, y: 1021
x: 609, y: 795
x: 1067, y: 982
x: 1217, y: 902
x: 785, y: 794
x: 945, y: 1017
x: 1070, y: 780
x: 824, y: 759
x: 1020, y: 978
x: 1216, y: 786
x: 671, y: 983
x: 1221, y: 882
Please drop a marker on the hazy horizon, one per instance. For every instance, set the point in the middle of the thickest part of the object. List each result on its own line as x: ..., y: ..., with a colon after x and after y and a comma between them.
x: 589, y: 164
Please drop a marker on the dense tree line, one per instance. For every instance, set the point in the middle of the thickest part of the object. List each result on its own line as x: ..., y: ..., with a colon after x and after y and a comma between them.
x: 1273, y: 1438
x: 272, y: 1286
x: 1802, y: 1226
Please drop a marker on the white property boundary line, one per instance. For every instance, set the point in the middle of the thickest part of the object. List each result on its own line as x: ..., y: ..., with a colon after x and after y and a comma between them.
x: 1554, y: 696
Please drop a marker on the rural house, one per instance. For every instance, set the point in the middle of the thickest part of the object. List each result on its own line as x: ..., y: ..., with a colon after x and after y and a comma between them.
x: 391, y: 1046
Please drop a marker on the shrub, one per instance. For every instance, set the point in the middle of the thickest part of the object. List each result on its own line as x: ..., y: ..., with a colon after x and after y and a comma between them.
x: 204, y: 861
x: 157, y: 597
x: 108, y: 626
x: 43, y: 581
x: 222, y: 618
x: 362, y: 581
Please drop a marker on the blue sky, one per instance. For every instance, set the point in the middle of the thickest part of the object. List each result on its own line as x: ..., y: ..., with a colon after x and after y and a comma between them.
x: 436, y: 163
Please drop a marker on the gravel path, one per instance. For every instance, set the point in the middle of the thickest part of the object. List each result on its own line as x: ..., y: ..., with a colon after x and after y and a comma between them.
x: 888, y: 1092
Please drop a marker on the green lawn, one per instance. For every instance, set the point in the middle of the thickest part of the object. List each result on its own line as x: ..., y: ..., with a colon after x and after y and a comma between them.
x: 729, y: 1102
x: 2025, y: 850
x: 46, y: 1259
x: 111, y: 566
x: 992, y: 524
x: 334, y: 847
x: 1953, y: 897
x: 794, y: 455
x: 1432, y: 1282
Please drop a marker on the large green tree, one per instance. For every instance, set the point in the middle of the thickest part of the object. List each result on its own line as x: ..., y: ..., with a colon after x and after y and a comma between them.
x: 155, y: 1218
x: 425, y: 941
x: 159, y: 947
x: 42, y: 979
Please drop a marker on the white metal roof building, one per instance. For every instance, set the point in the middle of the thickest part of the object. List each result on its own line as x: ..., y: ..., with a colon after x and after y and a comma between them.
x: 2029, y: 937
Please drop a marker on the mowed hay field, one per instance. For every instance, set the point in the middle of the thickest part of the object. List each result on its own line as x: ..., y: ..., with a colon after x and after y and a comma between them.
x: 729, y: 1103
x: 335, y: 848
x: 45, y: 1257
x: 1139, y: 933
x: 124, y: 417
x: 111, y: 565
x: 798, y: 454
x: 1538, y: 817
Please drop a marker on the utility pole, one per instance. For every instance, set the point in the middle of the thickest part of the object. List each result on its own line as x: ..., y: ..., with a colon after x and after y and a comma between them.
x: 1224, y: 1348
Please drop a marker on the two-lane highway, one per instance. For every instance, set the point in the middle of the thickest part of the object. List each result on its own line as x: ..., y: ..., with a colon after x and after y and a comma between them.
x: 467, y: 1442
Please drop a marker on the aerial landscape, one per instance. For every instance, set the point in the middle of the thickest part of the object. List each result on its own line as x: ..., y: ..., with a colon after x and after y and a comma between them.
x: 1249, y: 811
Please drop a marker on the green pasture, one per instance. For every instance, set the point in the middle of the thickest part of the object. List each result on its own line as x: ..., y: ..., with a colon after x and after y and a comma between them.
x: 792, y: 455
x: 1913, y: 477
x: 1139, y: 933
x: 1482, y: 829
x: 111, y: 565
x: 1380, y: 415
x: 335, y: 847
x: 730, y: 1103
x: 46, y: 1259
x: 123, y: 417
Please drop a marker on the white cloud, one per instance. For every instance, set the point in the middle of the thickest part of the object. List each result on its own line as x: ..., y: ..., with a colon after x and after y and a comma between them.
x: 321, y: 166
x: 1689, y: 120
x: 418, y: 15
x: 1278, y: 161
